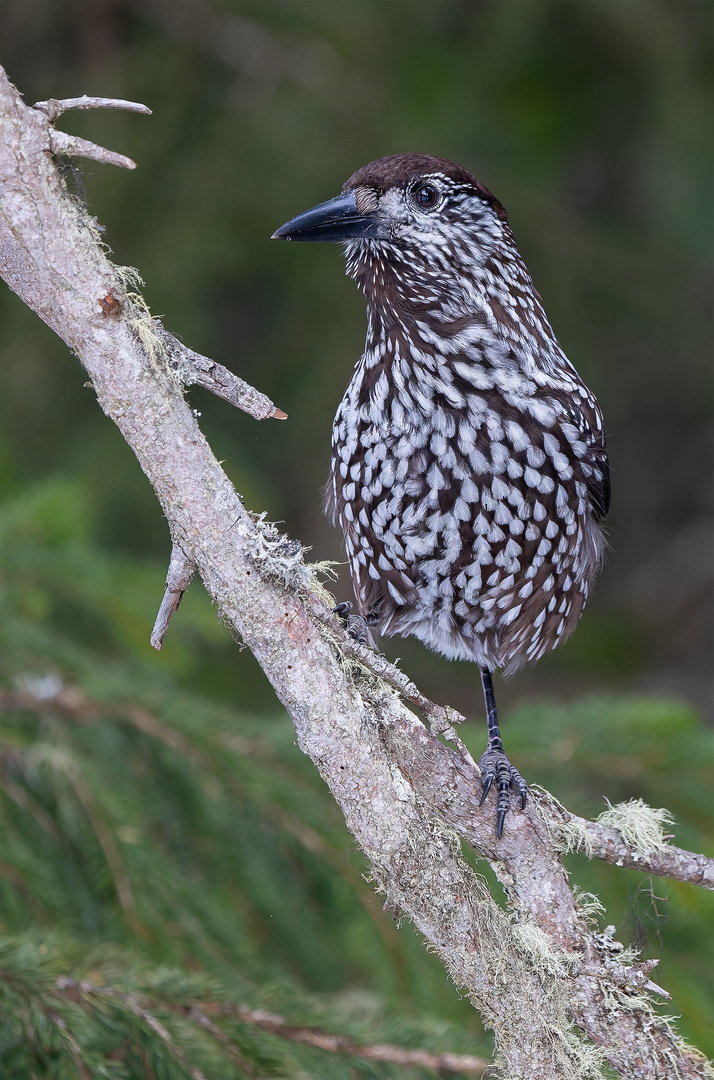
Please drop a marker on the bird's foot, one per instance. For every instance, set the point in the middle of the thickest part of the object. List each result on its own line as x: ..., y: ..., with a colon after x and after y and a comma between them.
x: 355, y: 625
x: 495, y: 765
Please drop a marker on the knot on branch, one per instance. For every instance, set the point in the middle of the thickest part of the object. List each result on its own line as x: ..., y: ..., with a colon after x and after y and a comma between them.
x: 110, y: 305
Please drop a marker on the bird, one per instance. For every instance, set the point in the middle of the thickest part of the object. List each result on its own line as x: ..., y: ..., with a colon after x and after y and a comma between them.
x: 469, y: 469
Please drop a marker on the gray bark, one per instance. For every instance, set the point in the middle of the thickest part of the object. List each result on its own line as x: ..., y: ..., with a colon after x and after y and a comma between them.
x: 558, y: 998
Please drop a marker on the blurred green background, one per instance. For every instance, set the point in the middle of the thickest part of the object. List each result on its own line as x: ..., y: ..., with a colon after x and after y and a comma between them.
x: 591, y: 121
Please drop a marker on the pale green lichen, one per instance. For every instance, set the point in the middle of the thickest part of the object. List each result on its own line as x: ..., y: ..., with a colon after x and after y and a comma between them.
x: 589, y: 905
x: 542, y: 958
x: 130, y: 278
x: 512, y: 952
x: 325, y: 568
x: 565, y: 832
x: 282, y: 559
x: 279, y: 557
x: 572, y: 835
x: 653, y: 1026
x: 139, y: 316
x: 640, y: 826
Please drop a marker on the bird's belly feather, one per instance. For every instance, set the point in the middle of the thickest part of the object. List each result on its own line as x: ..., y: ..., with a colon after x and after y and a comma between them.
x: 475, y: 536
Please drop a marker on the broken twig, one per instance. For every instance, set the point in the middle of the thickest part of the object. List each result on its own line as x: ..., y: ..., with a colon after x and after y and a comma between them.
x: 178, y: 579
x: 196, y: 370
x: 53, y: 107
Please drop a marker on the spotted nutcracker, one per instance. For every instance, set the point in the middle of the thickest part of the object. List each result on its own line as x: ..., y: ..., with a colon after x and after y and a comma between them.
x: 469, y: 470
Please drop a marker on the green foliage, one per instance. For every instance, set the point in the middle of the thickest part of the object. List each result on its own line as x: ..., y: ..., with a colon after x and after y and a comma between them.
x: 161, y: 845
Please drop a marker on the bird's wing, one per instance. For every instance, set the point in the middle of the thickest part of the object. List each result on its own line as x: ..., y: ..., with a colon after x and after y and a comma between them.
x: 583, y: 413
x: 598, y: 483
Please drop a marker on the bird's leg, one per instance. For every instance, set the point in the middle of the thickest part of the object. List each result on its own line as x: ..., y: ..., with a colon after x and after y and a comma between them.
x: 494, y: 763
x: 355, y: 625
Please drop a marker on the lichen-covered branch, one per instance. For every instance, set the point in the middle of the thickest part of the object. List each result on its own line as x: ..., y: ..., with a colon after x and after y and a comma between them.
x: 632, y: 835
x: 559, y: 996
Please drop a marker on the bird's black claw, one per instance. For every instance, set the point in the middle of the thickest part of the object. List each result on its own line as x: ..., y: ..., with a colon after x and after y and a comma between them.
x: 495, y: 765
x: 342, y: 611
x: 499, y: 823
x: 355, y: 625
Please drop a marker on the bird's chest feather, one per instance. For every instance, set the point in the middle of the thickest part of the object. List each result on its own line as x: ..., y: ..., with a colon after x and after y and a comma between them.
x: 458, y: 486
x: 427, y: 450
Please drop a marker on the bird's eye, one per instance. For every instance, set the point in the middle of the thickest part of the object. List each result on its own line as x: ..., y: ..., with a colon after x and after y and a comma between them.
x: 424, y: 196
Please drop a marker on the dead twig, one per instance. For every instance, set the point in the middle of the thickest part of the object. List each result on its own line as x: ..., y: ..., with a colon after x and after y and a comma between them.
x: 194, y: 369
x: 53, y: 107
x: 71, y: 145
x: 178, y: 579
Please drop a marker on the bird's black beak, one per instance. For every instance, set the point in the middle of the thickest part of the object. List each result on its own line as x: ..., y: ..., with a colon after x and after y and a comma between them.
x: 338, y: 219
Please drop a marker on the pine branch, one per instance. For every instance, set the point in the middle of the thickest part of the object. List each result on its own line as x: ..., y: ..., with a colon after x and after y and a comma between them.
x: 207, y: 1012
x: 534, y: 974
x: 341, y: 1044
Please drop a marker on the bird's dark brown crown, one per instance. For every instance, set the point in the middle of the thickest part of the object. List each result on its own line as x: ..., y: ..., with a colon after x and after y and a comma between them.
x: 402, y: 170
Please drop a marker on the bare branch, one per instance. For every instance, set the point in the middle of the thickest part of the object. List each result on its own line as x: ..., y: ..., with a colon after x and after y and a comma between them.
x: 178, y: 579
x: 541, y: 976
x: 194, y: 369
x: 73, y: 146
x: 53, y: 108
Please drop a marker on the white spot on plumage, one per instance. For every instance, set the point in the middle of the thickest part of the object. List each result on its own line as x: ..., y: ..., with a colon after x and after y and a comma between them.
x: 517, y: 436
x: 500, y: 489
x: 535, y: 458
